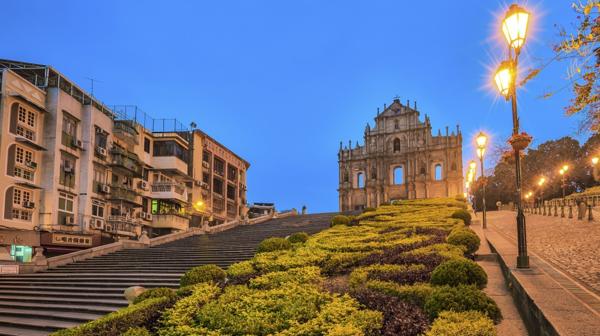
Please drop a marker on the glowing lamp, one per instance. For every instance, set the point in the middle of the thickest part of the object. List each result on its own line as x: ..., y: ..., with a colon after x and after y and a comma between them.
x: 480, y: 152
x: 595, y: 160
x: 481, y: 140
x: 472, y: 164
x: 514, y: 26
x: 565, y: 168
x: 561, y: 172
x: 541, y: 182
x: 504, y: 78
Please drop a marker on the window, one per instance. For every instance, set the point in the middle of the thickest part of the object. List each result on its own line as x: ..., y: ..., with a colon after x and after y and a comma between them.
x: 98, y: 209
x: 101, y: 139
x: 399, y: 175
x: 346, y: 176
x: 26, y: 121
x: 360, y: 180
x: 65, y: 202
x: 230, y: 192
x: 438, y: 172
x: 219, y: 166
x: 69, y: 130
x: 67, y: 172
x: 170, y: 148
x: 147, y: 145
x: 396, y: 125
x: 205, y: 178
x: 396, y: 145
x: 23, y: 160
x: 218, y: 186
x: 21, y: 253
x: 206, y: 156
x: 231, y: 173
x: 21, y: 198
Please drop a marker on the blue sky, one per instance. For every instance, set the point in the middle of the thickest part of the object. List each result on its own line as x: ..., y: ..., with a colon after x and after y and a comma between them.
x: 283, y: 82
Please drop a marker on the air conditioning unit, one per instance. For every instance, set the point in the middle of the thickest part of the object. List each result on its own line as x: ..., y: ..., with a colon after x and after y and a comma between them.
x: 108, y: 227
x: 149, y: 216
x: 143, y: 185
x: 31, y: 164
x: 97, y: 223
x: 101, y: 151
x: 70, y: 220
x: 197, y: 183
x: 105, y: 188
x: 205, y: 164
x: 78, y: 144
x: 29, y: 205
x: 67, y: 167
x: 143, y: 215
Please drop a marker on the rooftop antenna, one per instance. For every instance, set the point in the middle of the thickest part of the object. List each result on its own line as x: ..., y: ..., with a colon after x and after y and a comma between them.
x: 92, y: 81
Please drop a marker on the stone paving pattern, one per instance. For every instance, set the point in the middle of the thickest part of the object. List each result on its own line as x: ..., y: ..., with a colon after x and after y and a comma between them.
x: 572, y: 245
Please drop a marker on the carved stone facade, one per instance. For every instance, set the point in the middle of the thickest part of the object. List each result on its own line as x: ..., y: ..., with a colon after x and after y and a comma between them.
x: 400, y: 159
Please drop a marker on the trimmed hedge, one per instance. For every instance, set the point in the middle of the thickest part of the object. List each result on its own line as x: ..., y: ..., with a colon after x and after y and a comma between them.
x: 204, y: 273
x: 274, y: 244
x: 137, y: 332
x: 156, y: 293
x: 459, y: 272
x: 340, y: 220
x: 459, y: 299
x: 466, y: 238
x: 298, y: 237
x: 144, y: 314
x: 462, y: 214
x: 469, y: 323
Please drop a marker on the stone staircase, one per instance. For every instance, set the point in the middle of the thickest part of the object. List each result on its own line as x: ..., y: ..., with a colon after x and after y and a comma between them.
x: 63, y: 297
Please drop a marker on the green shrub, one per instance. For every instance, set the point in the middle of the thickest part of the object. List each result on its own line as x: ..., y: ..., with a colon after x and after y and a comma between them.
x: 460, y: 198
x: 183, y: 312
x: 287, y: 310
x: 462, y: 214
x: 156, y: 293
x: 302, y: 275
x: 469, y: 323
x: 137, y: 332
x: 204, y: 273
x: 240, y: 272
x: 466, y: 238
x: 368, y: 209
x: 416, y: 294
x: 144, y: 314
x: 274, y: 244
x: 459, y: 299
x: 456, y: 272
x: 340, y: 220
x: 298, y: 237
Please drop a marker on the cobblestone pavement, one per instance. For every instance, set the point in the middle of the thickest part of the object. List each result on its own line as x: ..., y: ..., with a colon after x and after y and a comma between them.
x: 573, y: 245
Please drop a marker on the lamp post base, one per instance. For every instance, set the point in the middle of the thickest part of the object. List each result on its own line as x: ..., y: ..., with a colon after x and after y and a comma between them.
x: 522, y: 261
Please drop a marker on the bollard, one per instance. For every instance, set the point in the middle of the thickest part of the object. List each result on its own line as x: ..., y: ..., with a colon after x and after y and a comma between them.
x: 562, y: 210
x: 590, y: 215
x: 570, y: 211
x: 544, y: 210
x: 580, y: 211
x: 555, y: 210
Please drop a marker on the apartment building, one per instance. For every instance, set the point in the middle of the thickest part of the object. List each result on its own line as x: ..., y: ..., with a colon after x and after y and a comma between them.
x: 80, y: 174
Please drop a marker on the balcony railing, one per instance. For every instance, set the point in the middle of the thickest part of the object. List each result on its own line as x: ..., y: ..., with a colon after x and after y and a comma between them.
x: 168, y: 187
x: 127, y: 160
x: 120, y: 192
x: 122, y: 224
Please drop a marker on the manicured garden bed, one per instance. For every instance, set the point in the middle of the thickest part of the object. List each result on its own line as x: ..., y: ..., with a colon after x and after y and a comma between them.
x: 400, y: 269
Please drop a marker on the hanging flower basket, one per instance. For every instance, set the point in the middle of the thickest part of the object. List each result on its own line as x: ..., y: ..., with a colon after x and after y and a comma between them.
x: 520, y: 141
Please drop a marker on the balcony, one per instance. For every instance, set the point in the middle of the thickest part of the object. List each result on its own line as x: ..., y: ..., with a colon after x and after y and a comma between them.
x: 171, y: 164
x: 126, y: 130
x: 122, y: 225
x: 123, y: 193
x: 126, y: 160
x: 170, y: 221
x: 169, y: 190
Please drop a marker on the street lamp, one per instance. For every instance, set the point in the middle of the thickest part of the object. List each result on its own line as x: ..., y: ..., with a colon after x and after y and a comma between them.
x: 481, y: 141
x: 514, y: 28
x: 595, y: 160
x: 563, y: 173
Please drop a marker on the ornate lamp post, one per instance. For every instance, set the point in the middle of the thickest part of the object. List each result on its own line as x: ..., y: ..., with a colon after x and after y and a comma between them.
x: 481, y: 141
x: 563, y: 173
x: 514, y: 28
x: 541, y: 184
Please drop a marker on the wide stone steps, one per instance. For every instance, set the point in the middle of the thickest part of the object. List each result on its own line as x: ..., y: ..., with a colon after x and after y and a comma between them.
x: 37, y: 304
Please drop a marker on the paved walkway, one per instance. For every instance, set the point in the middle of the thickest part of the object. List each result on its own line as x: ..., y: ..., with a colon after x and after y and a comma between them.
x: 550, y: 298
x: 512, y: 323
x: 571, y: 245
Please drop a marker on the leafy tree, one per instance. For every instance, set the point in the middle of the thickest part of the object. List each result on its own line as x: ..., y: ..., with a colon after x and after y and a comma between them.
x: 582, y: 47
x: 545, y: 160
